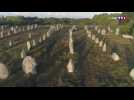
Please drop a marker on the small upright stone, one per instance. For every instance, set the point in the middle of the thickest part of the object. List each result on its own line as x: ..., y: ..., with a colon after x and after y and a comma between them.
x: 86, y: 27
x: 28, y: 45
x: 40, y: 40
x: 3, y: 71
x: 22, y: 54
x: 99, y: 31
x: 117, y: 31
x: 71, y: 42
x: 44, y: 36
x: 1, y: 34
x: 70, y: 66
x: 103, y: 32
x: 93, y: 37
x: 29, y: 65
x: 104, y: 48
x: 100, y: 43
x: 131, y: 74
x: 8, y: 33
x: 10, y: 43
x: 29, y: 35
x: 115, y: 57
x: 89, y: 34
x: 97, y: 40
x: 34, y: 43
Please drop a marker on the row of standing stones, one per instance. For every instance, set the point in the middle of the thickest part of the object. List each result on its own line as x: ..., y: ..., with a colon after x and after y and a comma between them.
x: 6, y: 30
x: 115, y: 57
x: 100, y: 41
x: 70, y: 65
x: 29, y: 63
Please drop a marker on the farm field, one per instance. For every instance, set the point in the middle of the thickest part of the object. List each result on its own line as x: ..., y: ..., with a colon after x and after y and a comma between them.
x: 66, y: 55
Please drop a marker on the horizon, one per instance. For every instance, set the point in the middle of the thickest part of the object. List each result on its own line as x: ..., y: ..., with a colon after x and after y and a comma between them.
x: 75, y: 15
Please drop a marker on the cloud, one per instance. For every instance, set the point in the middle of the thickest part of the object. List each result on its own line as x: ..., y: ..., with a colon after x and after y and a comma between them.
x: 54, y: 14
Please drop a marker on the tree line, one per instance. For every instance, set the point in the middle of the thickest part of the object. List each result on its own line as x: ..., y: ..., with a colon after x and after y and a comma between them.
x: 105, y: 20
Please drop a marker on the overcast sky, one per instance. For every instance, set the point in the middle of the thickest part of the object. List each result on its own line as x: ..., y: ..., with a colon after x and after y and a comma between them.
x: 54, y: 14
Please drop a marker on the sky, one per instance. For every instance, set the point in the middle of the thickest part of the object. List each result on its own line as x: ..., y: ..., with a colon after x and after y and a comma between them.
x: 54, y: 14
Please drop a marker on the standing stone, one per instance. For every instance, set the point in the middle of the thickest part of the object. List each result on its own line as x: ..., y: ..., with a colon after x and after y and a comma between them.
x: 131, y: 74
x: 35, y: 26
x: 16, y: 26
x: 28, y: 27
x: 85, y: 27
x: 8, y: 33
x: 117, y: 31
x: 48, y: 33
x: 1, y: 34
x: 93, y: 37
x: 127, y: 36
x: 96, y: 28
x: 29, y: 35
x: 28, y: 45
x: 40, y: 40
x: 32, y: 27
x: 29, y: 65
x: 103, y: 32
x: 10, y: 43
x: 62, y: 26
x: 100, y: 43
x: 12, y: 29
x: 57, y: 27
x: 2, y: 27
x: 109, y: 29
x: 70, y: 66
x: 15, y: 31
x: 89, y: 34
x: 74, y: 28
x: 104, y: 48
x: 71, y: 42
x: 99, y: 31
x: 97, y: 40
x: 115, y: 57
x: 22, y: 54
x: 34, y: 43
x: 4, y: 73
x: 44, y: 37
